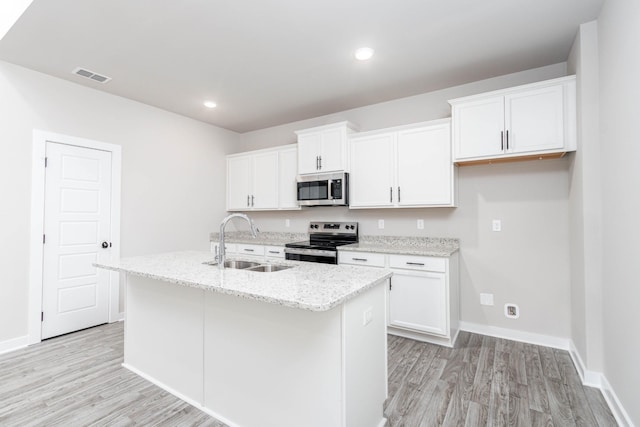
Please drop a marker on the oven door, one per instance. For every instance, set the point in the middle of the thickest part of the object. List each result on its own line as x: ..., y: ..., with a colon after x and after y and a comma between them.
x: 311, y: 255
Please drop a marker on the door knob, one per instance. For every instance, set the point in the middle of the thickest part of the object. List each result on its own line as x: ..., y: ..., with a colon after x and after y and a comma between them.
x: 105, y: 245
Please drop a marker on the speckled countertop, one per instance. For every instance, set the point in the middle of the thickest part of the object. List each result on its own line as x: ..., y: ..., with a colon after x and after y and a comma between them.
x: 263, y: 238
x: 309, y: 286
x: 402, y: 245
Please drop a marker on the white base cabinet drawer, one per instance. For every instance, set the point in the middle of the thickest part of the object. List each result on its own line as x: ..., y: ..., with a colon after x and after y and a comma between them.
x: 423, y: 263
x: 274, y: 252
x: 246, y: 249
x: 361, y: 258
x: 230, y: 248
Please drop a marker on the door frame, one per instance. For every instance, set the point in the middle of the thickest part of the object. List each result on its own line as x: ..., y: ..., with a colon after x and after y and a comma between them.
x: 36, y: 256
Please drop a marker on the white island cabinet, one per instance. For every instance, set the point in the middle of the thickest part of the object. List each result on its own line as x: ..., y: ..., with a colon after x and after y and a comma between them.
x: 304, y: 346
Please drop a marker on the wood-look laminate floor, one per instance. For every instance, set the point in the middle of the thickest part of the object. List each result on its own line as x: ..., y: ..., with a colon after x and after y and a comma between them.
x: 77, y: 380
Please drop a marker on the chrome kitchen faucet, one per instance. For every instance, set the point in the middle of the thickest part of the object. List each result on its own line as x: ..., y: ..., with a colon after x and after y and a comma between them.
x: 221, y: 256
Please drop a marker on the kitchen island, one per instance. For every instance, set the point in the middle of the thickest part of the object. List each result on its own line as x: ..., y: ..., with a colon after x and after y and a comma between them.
x: 305, y: 346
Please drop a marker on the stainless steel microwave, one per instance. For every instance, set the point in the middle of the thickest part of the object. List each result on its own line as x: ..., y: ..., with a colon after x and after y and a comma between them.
x: 326, y: 189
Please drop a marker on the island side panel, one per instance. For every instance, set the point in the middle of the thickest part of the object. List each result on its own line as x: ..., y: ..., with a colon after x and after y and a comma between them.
x: 163, y: 335
x: 268, y: 365
x: 365, y: 357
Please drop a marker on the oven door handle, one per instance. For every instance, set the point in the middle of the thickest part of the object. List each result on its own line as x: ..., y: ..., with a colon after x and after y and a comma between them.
x: 316, y: 252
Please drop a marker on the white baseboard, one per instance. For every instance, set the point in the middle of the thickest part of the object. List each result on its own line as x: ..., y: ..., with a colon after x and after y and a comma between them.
x: 589, y: 378
x: 621, y: 416
x: 515, y: 335
x: 14, y: 344
x: 181, y: 396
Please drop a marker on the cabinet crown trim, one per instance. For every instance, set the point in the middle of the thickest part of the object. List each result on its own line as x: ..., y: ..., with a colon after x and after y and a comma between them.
x: 506, y: 91
x: 346, y: 124
x: 439, y: 122
x: 291, y: 146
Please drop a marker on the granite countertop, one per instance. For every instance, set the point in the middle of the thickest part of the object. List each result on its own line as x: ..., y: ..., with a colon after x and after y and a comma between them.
x: 402, y: 245
x: 399, y: 245
x: 309, y: 286
x: 263, y: 238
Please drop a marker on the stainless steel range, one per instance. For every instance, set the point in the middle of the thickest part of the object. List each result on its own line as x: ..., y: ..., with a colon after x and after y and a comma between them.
x: 324, y: 239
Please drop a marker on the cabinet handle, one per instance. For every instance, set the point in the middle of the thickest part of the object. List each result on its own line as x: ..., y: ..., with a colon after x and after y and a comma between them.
x: 249, y: 250
x: 360, y: 259
x: 248, y: 201
x: 320, y: 158
x: 274, y: 252
x: 507, y: 139
x: 421, y: 264
x: 317, y: 162
x: 390, y: 194
x: 398, y: 194
x: 501, y: 140
x: 251, y: 200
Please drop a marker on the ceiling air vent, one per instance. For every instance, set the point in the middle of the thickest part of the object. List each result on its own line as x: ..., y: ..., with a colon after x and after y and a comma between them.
x: 83, y: 72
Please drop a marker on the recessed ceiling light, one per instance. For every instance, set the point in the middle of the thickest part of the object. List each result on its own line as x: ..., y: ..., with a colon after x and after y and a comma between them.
x: 210, y: 104
x: 363, y: 53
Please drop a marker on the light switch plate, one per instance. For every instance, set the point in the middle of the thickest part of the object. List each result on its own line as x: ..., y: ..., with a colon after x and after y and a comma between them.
x: 496, y: 225
x: 420, y: 224
x: 287, y: 223
x: 381, y: 224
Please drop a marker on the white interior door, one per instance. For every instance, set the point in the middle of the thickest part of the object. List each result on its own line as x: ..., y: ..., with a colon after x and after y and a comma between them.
x: 75, y: 295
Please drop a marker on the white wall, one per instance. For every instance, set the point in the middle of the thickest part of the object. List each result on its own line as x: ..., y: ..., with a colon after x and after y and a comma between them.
x: 619, y: 38
x: 173, y: 173
x: 527, y: 263
x: 585, y: 205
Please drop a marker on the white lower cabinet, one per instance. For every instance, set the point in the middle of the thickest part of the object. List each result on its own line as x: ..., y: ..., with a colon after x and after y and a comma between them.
x: 418, y: 301
x: 423, y: 294
x: 274, y: 252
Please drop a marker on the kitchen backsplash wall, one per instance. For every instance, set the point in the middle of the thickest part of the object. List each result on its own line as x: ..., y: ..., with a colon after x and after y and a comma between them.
x: 527, y: 263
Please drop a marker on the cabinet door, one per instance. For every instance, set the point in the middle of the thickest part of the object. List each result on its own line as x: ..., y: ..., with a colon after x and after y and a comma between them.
x: 308, y: 152
x: 371, y: 177
x: 418, y: 301
x: 288, y: 169
x: 478, y: 127
x: 332, y: 150
x: 265, y: 181
x: 535, y: 120
x: 239, y: 183
x: 424, y: 167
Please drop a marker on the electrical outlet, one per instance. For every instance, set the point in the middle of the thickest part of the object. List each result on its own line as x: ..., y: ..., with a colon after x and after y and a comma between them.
x: 511, y: 310
x: 420, y: 224
x: 496, y: 225
x: 486, y: 299
x: 287, y: 223
x: 367, y: 316
x: 381, y: 224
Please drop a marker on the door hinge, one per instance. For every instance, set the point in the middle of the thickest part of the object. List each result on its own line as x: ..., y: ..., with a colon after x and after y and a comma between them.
x: 46, y: 161
x: 44, y: 239
x: 42, y: 316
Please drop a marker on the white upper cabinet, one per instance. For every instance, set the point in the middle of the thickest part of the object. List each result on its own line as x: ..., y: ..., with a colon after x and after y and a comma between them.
x: 323, y: 148
x: 408, y: 166
x: 262, y: 180
x: 535, y: 120
x: 287, y: 187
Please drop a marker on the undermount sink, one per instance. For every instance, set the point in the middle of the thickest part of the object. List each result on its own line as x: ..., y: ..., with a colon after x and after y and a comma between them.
x: 251, y: 266
x: 269, y: 268
x: 240, y: 265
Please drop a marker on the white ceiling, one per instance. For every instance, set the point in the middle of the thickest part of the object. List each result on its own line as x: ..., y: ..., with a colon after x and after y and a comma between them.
x: 268, y: 62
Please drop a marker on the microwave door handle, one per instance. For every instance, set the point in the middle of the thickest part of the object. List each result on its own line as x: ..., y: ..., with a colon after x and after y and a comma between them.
x: 332, y: 185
